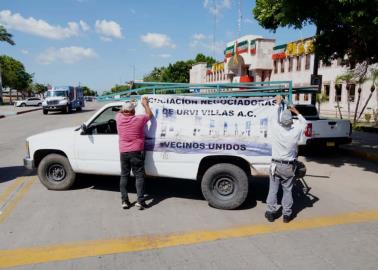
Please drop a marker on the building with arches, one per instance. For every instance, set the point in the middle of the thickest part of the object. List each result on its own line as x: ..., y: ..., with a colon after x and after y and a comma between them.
x: 253, y: 59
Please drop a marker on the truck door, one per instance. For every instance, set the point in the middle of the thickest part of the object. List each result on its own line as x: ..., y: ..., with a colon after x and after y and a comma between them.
x: 97, y: 149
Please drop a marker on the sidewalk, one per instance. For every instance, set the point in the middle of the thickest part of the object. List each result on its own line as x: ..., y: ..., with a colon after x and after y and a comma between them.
x: 364, y: 145
x: 9, y: 110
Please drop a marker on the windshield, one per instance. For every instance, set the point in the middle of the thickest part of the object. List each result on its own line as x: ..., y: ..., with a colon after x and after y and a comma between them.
x: 56, y: 94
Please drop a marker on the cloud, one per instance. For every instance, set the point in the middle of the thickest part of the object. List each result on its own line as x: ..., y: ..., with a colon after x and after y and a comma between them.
x: 216, y: 6
x: 198, y: 36
x: 24, y: 51
x: 133, y: 11
x: 84, y: 26
x: 202, y: 42
x: 156, y: 40
x: 40, y: 27
x: 67, y: 55
x: 164, y: 55
x: 108, y: 29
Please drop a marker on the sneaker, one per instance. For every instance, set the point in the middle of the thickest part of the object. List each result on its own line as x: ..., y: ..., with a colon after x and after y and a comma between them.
x: 270, y: 216
x: 286, y: 219
x: 126, y: 204
x: 141, y: 205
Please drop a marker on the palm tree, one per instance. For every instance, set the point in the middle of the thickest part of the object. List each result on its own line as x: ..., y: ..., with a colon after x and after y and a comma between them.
x: 321, y: 98
x: 347, y: 77
x: 360, y: 76
x: 4, y: 37
x: 374, y: 80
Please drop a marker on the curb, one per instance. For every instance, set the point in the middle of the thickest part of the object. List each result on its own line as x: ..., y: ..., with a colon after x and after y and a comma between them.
x: 17, y: 113
x: 31, y: 110
x: 362, y: 154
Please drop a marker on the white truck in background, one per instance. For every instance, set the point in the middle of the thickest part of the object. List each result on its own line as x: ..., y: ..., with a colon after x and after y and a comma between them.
x: 63, y: 98
x: 322, y: 131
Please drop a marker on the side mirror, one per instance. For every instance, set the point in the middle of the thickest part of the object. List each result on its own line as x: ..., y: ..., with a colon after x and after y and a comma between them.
x: 84, y: 129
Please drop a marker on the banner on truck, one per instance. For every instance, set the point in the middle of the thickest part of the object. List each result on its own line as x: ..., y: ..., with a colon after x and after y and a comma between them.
x: 185, y: 124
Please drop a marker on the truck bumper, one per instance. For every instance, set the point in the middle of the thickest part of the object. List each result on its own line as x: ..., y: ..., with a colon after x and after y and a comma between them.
x: 29, y: 163
x: 54, y: 107
x: 328, y: 141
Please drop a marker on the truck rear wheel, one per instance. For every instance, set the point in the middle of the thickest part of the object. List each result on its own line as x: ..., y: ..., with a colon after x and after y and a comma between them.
x: 45, y: 111
x: 225, y: 186
x: 55, y: 172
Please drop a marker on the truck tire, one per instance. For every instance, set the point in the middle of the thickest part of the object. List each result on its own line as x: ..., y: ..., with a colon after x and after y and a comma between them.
x: 23, y: 105
x: 67, y: 109
x: 45, y: 111
x: 78, y: 109
x: 55, y: 172
x: 225, y: 186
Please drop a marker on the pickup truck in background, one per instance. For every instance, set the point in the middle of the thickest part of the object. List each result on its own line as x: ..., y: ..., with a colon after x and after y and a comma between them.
x: 322, y: 131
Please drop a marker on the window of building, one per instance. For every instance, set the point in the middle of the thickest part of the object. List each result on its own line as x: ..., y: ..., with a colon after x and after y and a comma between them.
x: 299, y: 63
x: 305, y: 97
x: 352, y: 91
x: 307, y: 61
x: 275, y: 66
x: 290, y: 64
x: 326, y: 91
x: 282, y: 66
x: 338, y: 92
x: 296, y: 97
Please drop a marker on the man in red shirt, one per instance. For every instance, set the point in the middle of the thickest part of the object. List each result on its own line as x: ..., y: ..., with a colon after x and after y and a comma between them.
x: 130, y: 129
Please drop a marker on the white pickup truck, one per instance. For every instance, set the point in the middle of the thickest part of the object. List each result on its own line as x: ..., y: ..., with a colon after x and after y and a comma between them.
x: 219, y: 142
x: 323, y: 132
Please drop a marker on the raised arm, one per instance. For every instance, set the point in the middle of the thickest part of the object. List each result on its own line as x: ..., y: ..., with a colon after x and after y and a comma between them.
x: 301, y: 119
x: 147, y: 107
x: 275, y: 114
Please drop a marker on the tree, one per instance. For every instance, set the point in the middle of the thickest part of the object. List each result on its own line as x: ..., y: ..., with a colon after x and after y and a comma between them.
x: 202, y: 58
x: 374, y: 82
x: 347, y: 77
x: 119, y: 88
x: 177, y: 72
x: 88, y: 92
x: 321, y: 98
x: 4, y: 37
x: 155, y: 75
x: 13, y: 74
x: 344, y: 28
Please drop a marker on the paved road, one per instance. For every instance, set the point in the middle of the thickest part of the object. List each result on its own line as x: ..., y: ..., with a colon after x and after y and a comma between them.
x: 85, y: 228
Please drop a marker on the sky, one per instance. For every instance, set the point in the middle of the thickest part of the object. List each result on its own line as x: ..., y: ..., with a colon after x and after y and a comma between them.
x: 103, y: 43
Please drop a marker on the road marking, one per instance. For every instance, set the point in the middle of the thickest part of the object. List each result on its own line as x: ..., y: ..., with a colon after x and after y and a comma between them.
x: 69, y: 251
x: 16, y: 192
x: 9, y: 190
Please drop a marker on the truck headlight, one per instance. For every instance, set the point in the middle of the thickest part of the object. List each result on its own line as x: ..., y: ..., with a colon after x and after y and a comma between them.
x: 27, y: 149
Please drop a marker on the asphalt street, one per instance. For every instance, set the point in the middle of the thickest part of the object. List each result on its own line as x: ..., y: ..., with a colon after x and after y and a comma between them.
x: 336, y: 226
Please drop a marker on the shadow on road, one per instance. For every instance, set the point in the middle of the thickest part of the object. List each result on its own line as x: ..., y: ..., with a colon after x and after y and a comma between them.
x: 158, y: 189
x: 11, y: 173
x: 337, y: 158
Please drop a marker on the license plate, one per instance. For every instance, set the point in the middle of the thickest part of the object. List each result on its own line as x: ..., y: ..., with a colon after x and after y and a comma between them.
x: 330, y: 144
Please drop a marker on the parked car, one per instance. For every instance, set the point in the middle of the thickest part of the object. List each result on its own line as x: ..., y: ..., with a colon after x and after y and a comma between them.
x: 32, y: 101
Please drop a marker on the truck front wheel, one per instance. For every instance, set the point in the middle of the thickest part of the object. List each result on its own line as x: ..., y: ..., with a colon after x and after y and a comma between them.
x: 45, y: 111
x: 55, y: 172
x: 225, y: 186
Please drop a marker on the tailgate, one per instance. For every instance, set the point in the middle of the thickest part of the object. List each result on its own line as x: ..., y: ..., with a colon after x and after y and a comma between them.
x: 330, y: 128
